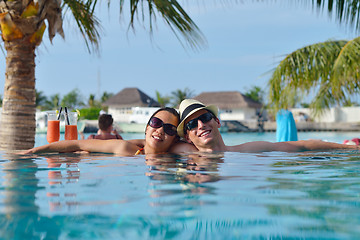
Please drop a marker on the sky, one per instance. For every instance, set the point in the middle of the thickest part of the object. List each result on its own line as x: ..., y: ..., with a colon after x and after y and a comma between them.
x: 245, y: 41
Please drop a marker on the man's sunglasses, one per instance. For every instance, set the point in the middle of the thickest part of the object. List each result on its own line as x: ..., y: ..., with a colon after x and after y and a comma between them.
x: 169, y: 129
x: 204, y: 118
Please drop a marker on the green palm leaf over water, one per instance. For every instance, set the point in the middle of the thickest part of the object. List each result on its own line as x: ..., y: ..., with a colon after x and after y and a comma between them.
x: 301, y: 71
x: 329, y: 70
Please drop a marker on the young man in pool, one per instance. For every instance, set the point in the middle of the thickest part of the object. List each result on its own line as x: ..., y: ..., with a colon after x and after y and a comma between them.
x: 199, y: 125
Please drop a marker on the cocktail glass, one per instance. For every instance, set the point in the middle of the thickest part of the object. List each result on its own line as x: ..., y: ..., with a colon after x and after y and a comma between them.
x: 71, y: 132
x: 53, y: 127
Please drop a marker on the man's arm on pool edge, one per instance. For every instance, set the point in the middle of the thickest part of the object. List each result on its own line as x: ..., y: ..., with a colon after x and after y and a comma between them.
x: 292, y: 146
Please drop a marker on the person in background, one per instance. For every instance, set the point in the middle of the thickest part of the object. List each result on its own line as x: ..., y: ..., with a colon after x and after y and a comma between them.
x: 106, y: 129
x: 286, y: 127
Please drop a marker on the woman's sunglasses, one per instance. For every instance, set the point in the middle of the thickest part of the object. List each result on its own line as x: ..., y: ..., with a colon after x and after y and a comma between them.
x: 169, y: 129
x: 204, y: 118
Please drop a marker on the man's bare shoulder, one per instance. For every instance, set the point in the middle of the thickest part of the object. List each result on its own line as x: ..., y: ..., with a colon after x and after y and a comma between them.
x: 183, y: 147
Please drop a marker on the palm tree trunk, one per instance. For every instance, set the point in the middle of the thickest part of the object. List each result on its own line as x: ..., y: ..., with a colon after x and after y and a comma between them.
x: 17, y: 126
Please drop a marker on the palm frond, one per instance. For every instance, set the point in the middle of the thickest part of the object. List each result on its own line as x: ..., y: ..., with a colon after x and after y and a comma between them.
x: 88, y: 23
x: 322, y: 100
x: 346, y: 11
x: 301, y: 71
x: 173, y: 14
x: 346, y: 73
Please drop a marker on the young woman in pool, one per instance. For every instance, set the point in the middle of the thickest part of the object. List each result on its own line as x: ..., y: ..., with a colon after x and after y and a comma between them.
x: 160, y: 135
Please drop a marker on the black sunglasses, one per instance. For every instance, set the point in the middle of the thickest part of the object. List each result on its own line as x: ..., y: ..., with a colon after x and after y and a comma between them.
x: 169, y: 129
x: 204, y: 118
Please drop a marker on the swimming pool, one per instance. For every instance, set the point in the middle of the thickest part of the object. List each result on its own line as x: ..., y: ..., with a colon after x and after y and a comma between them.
x: 224, y: 196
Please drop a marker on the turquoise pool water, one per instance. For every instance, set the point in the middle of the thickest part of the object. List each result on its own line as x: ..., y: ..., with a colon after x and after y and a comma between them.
x: 228, y: 196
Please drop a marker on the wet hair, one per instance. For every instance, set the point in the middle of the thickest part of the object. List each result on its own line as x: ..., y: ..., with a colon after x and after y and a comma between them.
x: 105, y: 121
x: 167, y: 109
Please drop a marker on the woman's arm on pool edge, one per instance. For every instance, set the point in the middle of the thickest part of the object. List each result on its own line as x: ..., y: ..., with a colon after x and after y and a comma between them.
x: 60, y: 146
x: 91, y: 145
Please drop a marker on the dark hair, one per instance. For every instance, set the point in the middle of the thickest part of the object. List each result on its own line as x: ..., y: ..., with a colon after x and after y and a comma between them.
x: 167, y: 109
x: 105, y: 121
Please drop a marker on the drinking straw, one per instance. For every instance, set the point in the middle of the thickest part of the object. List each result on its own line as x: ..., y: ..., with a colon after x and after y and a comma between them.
x: 67, y: 117
x: 58, y: 118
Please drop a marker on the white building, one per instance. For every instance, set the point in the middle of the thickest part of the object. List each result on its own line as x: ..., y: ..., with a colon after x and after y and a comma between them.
x: 232, y: 105
x: 332, y: 115
x: 131, y: 105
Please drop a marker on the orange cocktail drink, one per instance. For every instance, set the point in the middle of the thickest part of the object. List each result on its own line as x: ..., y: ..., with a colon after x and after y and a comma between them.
x: 53, y: 128
x: 71, y: 132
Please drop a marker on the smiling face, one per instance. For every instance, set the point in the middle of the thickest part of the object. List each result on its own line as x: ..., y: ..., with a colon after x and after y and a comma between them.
x: 157, y: 140
x: 205, y: 135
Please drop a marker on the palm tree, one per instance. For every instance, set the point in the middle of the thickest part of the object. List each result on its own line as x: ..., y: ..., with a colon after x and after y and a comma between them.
x: 178, y: 95
x: 41, y: 99
x: 331, y: 69
x: 106, y: 96
x: 22, y: 24
x: 72, y: 100
x: 91, y: 100
x: 53, y: 102
x: 255, y: 93
x: 162, y: 100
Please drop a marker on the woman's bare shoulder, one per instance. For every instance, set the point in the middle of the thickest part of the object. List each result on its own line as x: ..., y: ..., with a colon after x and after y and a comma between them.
x: 139, y: 142
x: 125, y: 147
